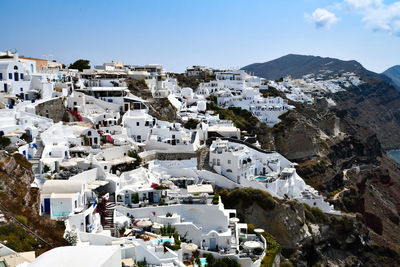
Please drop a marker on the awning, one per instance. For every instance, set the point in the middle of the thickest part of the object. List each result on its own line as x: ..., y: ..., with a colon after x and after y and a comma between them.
x: 251, y: 244
x: 144, y: 224
x: 234, y: 220
x: 197, y: 189
x: 191, y: 247
x: 96, y: 184
x: 68, y: 164
x: 128, y: 262
x: 259, y: 231
x: 122, y: 160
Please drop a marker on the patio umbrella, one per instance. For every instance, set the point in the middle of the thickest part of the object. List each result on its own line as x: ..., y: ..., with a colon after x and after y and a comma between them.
x: 234, y: 220
x: 157, y: 226
x: 191, y: 247
x: 19, y: 131
x: 144, y: 224
x: 259, y: 231
x: 251, y: 244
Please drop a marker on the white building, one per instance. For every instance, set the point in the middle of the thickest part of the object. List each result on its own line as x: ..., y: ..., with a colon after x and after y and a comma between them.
x: 269, y: 171
x: 72, y: 256
x: 62, y: 198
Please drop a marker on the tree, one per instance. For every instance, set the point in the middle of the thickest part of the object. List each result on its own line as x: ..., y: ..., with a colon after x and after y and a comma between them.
x: 71, y: 237
x: 191, y: 124
x: 80, y: 64
x: 4, y: 142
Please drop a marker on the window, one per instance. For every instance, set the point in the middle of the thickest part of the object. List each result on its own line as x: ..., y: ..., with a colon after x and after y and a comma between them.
x: 228, y: 170
x: 76, y: 204
x: 10, y: 76
x: 229, y: 161
x: 16, y: 77
x: 15, y: 68
x: 137, y: 123
x: 21, y: 89
x: 1, y: 76
x: 22, y: 76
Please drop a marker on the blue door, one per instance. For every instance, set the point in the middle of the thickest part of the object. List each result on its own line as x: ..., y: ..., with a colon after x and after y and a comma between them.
x: 213, y: 243
x: 47, y: 205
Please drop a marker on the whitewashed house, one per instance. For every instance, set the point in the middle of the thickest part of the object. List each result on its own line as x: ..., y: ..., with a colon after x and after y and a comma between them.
x: 62, y: 198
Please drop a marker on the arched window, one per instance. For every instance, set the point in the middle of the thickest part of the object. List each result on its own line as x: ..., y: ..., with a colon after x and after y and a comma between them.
x: 15, y: 68
x: 228, y: 170
x: 89, y: 133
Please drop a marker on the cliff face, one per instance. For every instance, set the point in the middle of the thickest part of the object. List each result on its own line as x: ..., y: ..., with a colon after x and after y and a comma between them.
x: 18, y: 198
x: 373, y: 106
x: 310, y: 238
x: 16, y: 177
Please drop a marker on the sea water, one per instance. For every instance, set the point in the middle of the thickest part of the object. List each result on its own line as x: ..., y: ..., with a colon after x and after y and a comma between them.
x: 394, y: 154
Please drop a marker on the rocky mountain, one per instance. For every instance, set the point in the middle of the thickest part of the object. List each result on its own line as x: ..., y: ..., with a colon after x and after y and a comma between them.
x: 23, y: 227
x: 394, y: 74
x: 309, y: 237
x: 340, y: 151
x: 299, y: 65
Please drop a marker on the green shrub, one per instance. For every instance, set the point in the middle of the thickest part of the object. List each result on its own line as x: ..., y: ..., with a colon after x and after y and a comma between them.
x: 22, y: 219
x: 17, y: 238
x: 46, y: 168
x: 4, y: 142
x: 286, y: 264
x: 215, y: 200
x: 258, y: 251
x: 191, y: 124
x: 247, y: 196
x: 135, y: 198
x: 319, y: 215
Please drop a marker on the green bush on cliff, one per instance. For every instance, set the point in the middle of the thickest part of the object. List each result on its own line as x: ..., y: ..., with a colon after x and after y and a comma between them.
x: 247, y: 196
x: 241, y: 118
x: 17, y: 238
x: 273, y: 249
x: 315, y: 215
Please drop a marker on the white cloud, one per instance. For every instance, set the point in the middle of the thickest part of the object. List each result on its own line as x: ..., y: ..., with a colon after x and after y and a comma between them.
x: 322, y: 18
x: 357, y: 4
x: 377, y: 15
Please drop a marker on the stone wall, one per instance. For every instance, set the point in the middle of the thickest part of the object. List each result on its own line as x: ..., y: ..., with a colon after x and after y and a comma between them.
x: 54, y: 109
x: 175, y: 156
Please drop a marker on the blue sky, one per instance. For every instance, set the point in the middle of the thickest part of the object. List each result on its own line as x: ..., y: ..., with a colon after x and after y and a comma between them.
x: 217, y: 33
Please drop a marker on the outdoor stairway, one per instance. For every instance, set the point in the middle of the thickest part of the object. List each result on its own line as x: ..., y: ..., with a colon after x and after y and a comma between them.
x: 203, y: 159
x: 109, y: 219
x: 38, y: 155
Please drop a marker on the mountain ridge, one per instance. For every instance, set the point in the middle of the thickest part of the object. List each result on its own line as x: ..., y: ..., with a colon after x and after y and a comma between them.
x: 297, y: 66
x: 393, y: 73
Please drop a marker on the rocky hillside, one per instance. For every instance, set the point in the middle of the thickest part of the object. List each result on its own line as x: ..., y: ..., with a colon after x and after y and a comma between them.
x: 307, y: 236
x: 394, y: 74
x: 345, y: 161
x: 299, y: 65
x: 20, y: 204
x: 159, y: 108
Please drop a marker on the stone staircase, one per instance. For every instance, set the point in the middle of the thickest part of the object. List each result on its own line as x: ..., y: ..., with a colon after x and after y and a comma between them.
x: 35, y: 160
x: 109, y: 219
x: 203, y: 159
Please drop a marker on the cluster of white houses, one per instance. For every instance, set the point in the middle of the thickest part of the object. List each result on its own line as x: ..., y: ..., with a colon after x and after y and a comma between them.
x: 129, y: 186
